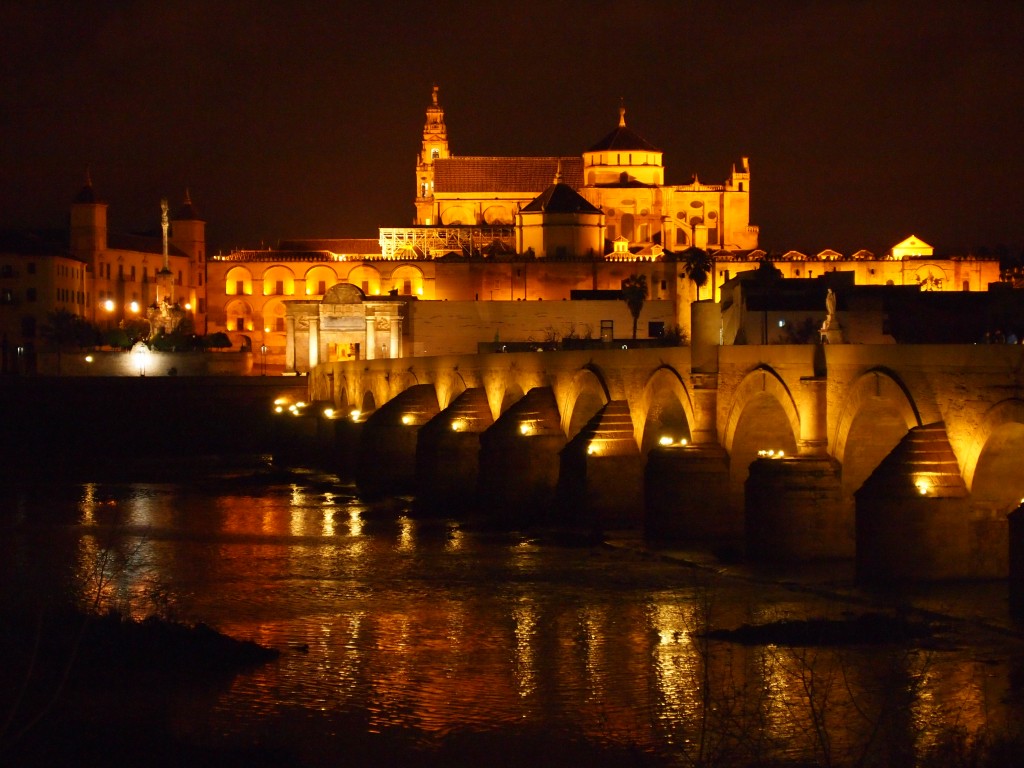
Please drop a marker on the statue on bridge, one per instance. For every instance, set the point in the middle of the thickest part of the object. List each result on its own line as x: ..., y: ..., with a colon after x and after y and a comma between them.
x: 831, y: 331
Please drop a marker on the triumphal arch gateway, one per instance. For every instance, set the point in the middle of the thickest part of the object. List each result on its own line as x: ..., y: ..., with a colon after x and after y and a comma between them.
x: 344, y: 325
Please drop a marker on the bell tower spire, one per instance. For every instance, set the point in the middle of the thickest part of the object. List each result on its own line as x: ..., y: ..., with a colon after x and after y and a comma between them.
x: 435, y: 147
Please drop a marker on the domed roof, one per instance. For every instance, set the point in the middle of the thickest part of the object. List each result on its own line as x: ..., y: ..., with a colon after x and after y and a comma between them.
x: 623, y: 138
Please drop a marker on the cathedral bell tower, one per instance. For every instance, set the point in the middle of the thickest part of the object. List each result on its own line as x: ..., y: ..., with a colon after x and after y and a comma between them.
x: 435, y: 147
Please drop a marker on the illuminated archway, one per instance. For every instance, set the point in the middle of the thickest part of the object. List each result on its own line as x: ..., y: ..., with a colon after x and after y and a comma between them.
x: 368, y: 404
x: 589, y: 395
x: 407, y: 280
x: 366, y: 278
x: 319, y: 279
x: 239, y: 316
x: 278, y: 281
x: 238, y: 282
x: 877, y: 414
x: 763, y: 417
x: 666, y: 408
x: 992, y: 467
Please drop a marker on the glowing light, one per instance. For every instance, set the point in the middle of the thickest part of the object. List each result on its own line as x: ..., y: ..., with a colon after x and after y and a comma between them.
x: 108, y: 305
x: 281, y: 401
x: 88, y: 358
x: 134, y: 306
x: 683, y: 441
x: 300, y: 404
x: 420, y: 290
x: 355, y: 414
x: 525, y: 428
x: 188, y: 306
x: 278, y: 409
x: 665, y: 440
x: 407, y: 419
x: 458, y: 425
x: 329, y: 413
x: 923, y: 486
x: 592, y: 449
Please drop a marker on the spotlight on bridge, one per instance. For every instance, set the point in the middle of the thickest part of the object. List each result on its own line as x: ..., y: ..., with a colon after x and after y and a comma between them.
x: 525, y: 428
x: 329, y: 413
x: 458, y: 425
x: 923, y: 486
x: 407, y: 419
x: 355, y: 414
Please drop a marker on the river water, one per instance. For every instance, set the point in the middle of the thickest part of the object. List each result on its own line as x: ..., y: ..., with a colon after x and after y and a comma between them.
x: 427, y: 641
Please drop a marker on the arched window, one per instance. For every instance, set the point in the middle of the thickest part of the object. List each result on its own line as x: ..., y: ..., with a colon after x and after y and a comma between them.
x: 435, y: 153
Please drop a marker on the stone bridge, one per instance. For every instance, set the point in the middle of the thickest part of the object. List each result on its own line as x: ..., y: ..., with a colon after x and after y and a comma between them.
x: 908, y: 458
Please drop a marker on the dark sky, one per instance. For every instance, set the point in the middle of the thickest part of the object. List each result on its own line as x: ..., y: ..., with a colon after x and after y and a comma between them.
x: 864, y: 121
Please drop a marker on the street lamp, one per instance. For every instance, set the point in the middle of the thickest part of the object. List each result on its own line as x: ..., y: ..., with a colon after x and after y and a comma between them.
x: 263, y: 352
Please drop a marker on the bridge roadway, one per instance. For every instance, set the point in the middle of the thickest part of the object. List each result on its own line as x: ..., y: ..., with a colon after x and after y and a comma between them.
x: 907, y: 457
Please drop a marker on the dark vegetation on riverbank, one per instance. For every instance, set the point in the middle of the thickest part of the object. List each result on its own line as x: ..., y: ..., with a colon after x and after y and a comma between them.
x: 72, y: 687
x: 865, y: 629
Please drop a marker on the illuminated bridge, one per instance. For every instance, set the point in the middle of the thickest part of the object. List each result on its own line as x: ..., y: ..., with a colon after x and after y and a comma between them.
x: 905, y: 457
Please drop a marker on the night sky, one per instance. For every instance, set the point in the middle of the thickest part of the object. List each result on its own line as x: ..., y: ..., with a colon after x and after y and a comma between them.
x: 864, y: 121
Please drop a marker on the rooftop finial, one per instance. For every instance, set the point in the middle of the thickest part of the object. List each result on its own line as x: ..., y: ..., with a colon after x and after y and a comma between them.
x: 622, y: 113
x: 558, y: 172
x: 434, y: 96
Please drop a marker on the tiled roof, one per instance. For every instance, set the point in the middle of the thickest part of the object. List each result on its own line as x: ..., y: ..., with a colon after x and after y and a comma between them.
x: 141, y: 244
x: 29, y: 242
x: 623, y: 139
x: 560, y: 198
x: 504, y: 174
x: 334, y: 245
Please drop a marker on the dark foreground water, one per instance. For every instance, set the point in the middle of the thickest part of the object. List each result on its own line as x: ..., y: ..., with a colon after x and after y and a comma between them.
x: 426, y: 642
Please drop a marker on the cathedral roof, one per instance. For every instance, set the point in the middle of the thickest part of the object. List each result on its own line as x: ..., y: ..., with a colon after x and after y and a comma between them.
x: 504, y: 174
x: 623, y: 138
x: 560, y: 198
x: 355, y: 245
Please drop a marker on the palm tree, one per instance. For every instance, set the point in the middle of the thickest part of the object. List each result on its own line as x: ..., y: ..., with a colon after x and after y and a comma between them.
x: 697, y: 265
x: 634, y: 293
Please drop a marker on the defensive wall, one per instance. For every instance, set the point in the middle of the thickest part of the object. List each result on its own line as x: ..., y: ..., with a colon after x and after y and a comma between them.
x: 904, y: 457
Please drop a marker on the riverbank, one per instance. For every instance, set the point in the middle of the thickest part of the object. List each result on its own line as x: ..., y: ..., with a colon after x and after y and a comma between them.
x: 67, y: 677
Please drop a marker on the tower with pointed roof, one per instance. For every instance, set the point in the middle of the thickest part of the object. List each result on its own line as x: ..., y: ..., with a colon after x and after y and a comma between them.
x: 188, y: 235
x: 88, y: 223
x: 435, y: 147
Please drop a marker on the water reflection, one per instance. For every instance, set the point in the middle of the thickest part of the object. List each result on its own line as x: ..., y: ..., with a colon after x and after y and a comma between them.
x: 431, y: 629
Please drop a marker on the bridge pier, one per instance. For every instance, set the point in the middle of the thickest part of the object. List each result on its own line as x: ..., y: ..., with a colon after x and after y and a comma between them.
x: 386, y: 462
x: 686, y: 495
x: 519, y: 461
x: 1016, y: 552
x: 448, y: 453
x: 794, y: 511
x: 601, y: 476
x: 915, y: 521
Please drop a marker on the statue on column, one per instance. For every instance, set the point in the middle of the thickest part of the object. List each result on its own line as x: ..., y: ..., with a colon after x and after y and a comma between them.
x: 831, y: 331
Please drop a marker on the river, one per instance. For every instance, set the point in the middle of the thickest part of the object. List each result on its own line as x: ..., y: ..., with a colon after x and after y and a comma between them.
x: 429, y: 641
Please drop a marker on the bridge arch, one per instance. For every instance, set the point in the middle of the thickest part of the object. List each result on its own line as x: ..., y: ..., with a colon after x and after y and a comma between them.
x: 665, y: 407
x: 877, y: 413
x: 763, y: 416
x: 587, y: 395
x: 992, y: 467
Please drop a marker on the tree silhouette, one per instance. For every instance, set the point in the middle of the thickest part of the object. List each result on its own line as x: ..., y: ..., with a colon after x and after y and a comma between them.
x: 697, y: 265
x: 65, y: 329
x: 634, y: 293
